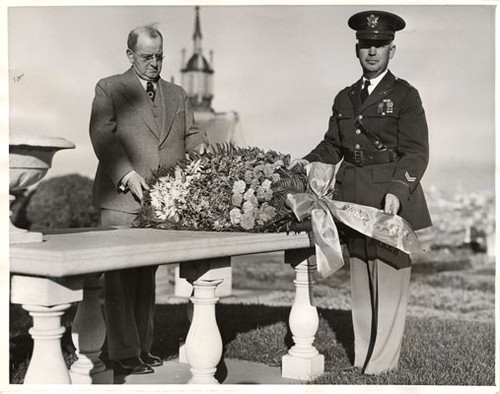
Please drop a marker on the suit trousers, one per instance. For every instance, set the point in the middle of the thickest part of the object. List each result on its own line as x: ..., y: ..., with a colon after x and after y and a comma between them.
x: 129, y: 301
x: 379, y: 297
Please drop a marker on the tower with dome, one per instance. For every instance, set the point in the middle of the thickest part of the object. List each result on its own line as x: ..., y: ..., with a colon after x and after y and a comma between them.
x: 197, y: 78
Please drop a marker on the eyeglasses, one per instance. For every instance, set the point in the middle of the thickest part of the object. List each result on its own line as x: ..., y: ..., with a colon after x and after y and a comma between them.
x: 149, y: 58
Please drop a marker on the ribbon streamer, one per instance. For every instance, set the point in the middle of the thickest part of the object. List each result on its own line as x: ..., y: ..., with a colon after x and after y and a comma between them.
x: 372, y: 222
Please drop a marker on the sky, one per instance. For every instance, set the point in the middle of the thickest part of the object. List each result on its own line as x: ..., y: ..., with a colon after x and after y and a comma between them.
x: 278, y: 66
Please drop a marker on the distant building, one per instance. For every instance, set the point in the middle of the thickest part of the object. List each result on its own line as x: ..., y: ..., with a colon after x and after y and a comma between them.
x: 197, y: 79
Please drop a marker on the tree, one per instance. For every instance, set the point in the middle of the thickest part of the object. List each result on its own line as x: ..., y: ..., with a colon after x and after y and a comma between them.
x: 62, y: 202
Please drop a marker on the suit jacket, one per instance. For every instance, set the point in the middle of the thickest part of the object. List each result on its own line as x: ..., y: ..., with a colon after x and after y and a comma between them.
x: 127, y: 134
x: 393, y: 112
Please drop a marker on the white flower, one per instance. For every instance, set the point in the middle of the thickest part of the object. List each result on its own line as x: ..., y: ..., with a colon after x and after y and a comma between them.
x: 268, y: 169
x: 266, y: 195
x: 239, y: 187
x: 235, y: 216
x: 266, y: 184
x: 217, y: 225
x: 237, y: 199
x: 275, y: 177
x: 248, y: 176
x: 247, y: 221
x: 264, y: 192
x: 249, y: 194
x: 248, y: 207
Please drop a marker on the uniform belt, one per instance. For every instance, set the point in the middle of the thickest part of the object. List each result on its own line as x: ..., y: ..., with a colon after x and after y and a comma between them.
x: 360, y: 157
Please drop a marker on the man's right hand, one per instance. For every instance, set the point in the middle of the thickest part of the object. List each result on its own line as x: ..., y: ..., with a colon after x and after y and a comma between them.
x: 136, y: 184
x: 295, y: 162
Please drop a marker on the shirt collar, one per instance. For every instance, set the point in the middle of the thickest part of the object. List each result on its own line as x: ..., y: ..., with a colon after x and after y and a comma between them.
x: 375, y: 81
x: 144, y: 82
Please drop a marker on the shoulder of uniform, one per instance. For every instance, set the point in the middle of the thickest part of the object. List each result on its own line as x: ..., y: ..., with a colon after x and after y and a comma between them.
x: 346, y: 90
x: 352, y: 86
x: 403, y: 82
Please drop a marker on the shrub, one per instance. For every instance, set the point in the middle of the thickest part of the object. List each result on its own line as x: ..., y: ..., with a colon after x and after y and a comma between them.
x: 62, y: 202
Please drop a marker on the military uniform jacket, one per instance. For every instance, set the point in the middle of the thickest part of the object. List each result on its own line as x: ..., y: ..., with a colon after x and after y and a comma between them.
x: 393, y: 112
x: 128, y: 133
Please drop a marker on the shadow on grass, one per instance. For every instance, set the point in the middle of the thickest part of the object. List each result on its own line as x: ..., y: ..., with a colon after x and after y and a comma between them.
x: 435, y: 352
x: 340, y: 322
x: 249, y: 332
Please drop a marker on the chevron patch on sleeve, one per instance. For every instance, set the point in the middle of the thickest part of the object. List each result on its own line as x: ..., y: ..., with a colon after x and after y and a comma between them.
x: 410, y: 178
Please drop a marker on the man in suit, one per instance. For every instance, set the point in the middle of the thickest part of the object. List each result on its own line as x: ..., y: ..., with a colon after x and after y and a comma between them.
x: 378, y: 127
x: 139, y: 123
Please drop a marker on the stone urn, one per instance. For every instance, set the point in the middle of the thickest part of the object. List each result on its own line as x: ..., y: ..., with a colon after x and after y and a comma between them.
x: 30, y: 158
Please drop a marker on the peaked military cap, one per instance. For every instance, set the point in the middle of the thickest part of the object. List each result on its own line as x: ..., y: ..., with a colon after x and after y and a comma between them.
x: 375, y: 25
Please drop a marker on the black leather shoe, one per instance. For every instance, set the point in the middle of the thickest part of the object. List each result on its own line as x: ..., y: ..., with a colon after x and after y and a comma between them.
x: 132, y: 365
x: 152, y: 361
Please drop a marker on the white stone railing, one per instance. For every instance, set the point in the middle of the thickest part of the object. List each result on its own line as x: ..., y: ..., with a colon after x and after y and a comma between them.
x: 48, y: 276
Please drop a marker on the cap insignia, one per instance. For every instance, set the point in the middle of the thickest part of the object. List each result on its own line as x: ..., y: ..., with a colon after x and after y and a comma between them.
x: 372, y: 21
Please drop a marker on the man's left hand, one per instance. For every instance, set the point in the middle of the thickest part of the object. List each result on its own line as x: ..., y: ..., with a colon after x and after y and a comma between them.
x: 392, y: 204
x: 202, y: 149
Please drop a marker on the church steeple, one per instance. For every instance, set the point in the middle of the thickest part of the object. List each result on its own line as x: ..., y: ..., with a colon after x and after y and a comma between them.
x: 197, y: 73
x: 197, y: 32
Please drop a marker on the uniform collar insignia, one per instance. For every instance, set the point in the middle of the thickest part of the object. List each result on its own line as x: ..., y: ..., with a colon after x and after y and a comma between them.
x: 372, y: 21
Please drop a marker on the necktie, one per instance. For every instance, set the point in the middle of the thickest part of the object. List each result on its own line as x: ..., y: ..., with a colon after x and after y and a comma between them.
x: 364, y: 91
x: 150, y: 90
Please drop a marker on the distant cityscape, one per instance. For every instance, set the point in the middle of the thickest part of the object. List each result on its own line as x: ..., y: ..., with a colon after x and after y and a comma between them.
x: 462, y: 219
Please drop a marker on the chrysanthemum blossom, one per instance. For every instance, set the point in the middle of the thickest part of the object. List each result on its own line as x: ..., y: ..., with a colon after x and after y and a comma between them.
x: 235, y: 216
x: 239, y: 187
x: 247, y: 221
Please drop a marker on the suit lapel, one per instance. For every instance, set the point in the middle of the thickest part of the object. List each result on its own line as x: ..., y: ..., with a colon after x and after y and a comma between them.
x: 383, y: 89
x: 136, y: 95
x: 354, y: 95
x: 169, y: 110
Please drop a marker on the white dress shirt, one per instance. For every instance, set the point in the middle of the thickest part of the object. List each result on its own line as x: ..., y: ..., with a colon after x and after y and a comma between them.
x: 374, y: 82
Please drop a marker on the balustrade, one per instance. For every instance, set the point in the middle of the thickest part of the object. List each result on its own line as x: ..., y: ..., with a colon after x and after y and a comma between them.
x: 65, y: 268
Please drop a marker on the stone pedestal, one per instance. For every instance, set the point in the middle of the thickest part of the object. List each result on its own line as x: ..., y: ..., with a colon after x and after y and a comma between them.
x: 203, y: 347
x: 204, y: 342
x: 46, y: 300
x: 303, y: 360
x: 88, y: 333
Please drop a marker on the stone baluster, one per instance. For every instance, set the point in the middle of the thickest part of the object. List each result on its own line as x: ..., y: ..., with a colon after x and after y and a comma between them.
x: 204, y: 342
x: 46, y: 300
x: 47, y: 363
x: 88, y: 334
x: 303, y: 360
x: 203, y: 347
x: 182, y: 346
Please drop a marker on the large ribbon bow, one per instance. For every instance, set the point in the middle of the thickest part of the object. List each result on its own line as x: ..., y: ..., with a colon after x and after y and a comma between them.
x: 372, y: 222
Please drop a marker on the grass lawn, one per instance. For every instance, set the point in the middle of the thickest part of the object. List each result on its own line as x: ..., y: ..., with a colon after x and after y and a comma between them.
x: 449, y: 337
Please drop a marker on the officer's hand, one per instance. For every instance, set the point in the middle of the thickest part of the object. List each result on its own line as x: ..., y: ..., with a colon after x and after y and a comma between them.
x: 135, y: 184
x: 392, y: 204
x: 202, y: 149
x: 295, y: 162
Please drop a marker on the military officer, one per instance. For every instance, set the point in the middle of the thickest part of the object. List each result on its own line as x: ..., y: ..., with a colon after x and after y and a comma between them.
x: 378, y: 127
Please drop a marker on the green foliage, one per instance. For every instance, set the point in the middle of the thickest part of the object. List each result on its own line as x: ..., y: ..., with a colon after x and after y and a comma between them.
x: 62, y: 202
x: 229, y: 188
